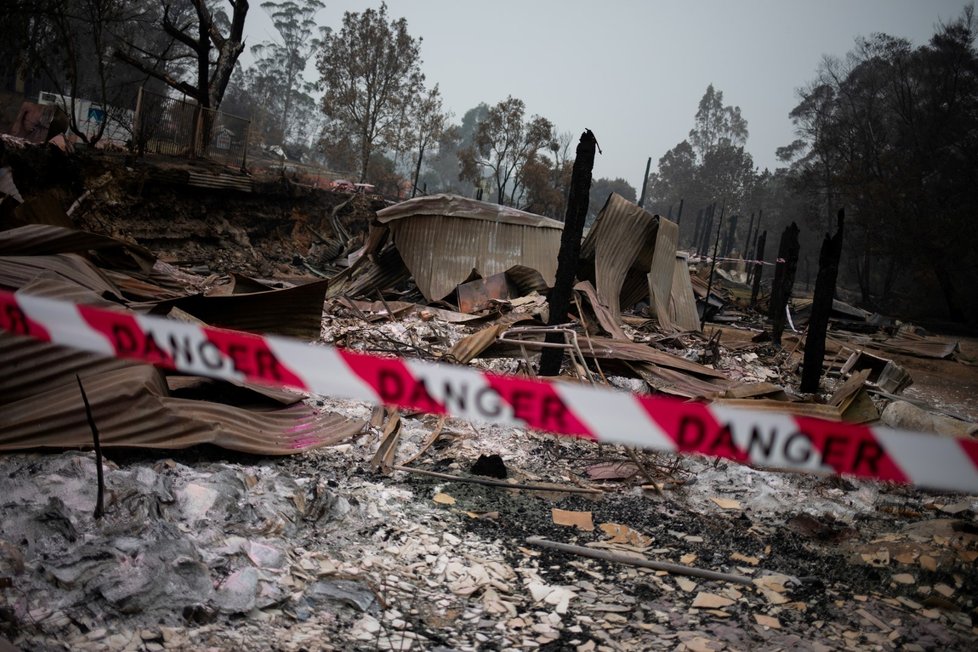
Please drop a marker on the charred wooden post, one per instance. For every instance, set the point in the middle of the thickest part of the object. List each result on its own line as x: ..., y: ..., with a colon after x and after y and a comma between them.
x: 679, y: 215
x: 697, y: 228
x: 645, y: 183
x: 100, y: 497
x: 570, y: 249
x: 713, y: 266
x: 730, y: 239
x: 758, y: 269
x: 818, y: 322
x: 784, y: 280
x: 703, y: 247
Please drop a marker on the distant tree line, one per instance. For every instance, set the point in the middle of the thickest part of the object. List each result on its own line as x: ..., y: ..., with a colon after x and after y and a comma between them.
x: 888, y: 131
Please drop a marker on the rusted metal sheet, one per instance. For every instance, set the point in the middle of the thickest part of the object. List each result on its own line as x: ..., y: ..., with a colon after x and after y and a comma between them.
x: 682, y: 307
x: 606, y: 348
x: 369, y: 274
x: 619, y: 250
x: 53, y: 286
x: 662, y: 271
x: 604, y: 317
x: 478, y: 294
x: 293, y: 312
x: 29, y: 367
x: 622, y: 235
x: 46, y: 239
x: 132, y: 409
x: 17, y: 271
x: 443, y: 238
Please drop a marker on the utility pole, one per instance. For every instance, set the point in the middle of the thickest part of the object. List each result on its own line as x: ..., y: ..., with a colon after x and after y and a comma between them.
x: 716, y: 246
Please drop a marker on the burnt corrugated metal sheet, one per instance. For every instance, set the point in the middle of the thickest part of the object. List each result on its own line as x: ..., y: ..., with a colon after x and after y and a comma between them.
x: 40, y: 239
x: 443, y: 238
x: 53, y: 286
x: 465, y: 208
x: 606, y: 348
x: 29, y: 367
x: 683, y: 301
x: 620, y: 245
x: 131, y: 409
x: 369, y: 274
x: 18, y: 271
x: 662, y: 271
x: 293, y: 312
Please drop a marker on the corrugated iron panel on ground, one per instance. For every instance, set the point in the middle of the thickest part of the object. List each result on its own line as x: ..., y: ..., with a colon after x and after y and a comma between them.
x: 54, y: 286
x: 606, y: 348
x: 369, y: 274
x: 293, y: 312
x: 131, y: 409
x: 29, y: 367
x: 43, y: 239
x: 17, y: 271
x: 620, y: 242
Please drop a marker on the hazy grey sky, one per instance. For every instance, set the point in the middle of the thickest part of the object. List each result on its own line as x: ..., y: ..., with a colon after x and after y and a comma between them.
x: 634, y: 71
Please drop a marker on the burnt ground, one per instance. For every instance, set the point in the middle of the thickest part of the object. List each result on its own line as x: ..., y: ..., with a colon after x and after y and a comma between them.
x: 345, y: 558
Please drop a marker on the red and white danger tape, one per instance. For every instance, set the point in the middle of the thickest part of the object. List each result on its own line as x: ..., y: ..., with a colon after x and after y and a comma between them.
x: 658, y: 423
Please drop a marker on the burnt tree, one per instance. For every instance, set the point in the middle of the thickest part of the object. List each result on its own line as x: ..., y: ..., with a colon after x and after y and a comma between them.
x: 196, y: 36
x: 784, y: 280
x: 818, y: 323
x: 570, y: 249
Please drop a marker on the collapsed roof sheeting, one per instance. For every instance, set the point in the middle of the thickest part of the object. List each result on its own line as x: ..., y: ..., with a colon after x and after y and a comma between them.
x: 618, y: 250
x: 443, y: 238
x: 630, y: 255
x: 131, y: 409
x: 18, y: 271
x: 682, y: 306
x: 662, y: 271
x: 293, y: 312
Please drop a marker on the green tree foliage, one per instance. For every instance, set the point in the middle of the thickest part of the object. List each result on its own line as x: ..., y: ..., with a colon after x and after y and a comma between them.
x: 504, y: 142
x: 278, y: 68
x: 710, y: 166
x: 369, y: 72
x: 891, y: 133
x: 429, y: 122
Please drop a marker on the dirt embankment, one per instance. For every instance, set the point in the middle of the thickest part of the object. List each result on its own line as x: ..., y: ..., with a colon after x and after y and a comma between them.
x: 260, y: 227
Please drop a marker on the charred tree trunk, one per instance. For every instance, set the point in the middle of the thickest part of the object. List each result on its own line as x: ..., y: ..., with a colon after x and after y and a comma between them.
x: 696, y: 228
x: 818, y: 323
x: 703, y: 246
x: 946, y: 282
x: 758, y: 269
x: 570, y: 249
x: 730, y: 239
x: 679, y: 215
x: 784, y: 280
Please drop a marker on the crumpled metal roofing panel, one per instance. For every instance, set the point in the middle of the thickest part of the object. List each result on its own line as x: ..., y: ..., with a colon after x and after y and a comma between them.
x: 619, y: 246
x: 465, y: 208
x: 131, y: 408
x: 441, y: 251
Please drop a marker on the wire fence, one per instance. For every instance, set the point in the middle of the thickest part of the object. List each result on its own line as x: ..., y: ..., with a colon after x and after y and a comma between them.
x: 177, y: 127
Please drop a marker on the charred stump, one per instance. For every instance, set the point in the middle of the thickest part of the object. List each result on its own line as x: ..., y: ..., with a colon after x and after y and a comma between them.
x: 784, y: 280
x: 818, y: 323
x: 570, y: 249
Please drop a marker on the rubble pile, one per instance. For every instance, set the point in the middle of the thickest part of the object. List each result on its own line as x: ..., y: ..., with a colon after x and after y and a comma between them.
x: 239, y: 517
